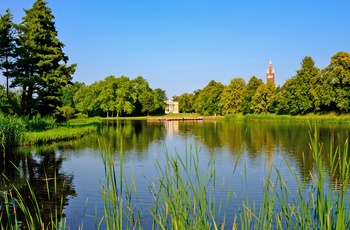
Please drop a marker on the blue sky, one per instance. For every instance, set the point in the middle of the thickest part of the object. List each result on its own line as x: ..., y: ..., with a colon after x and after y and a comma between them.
x: 179, y: 46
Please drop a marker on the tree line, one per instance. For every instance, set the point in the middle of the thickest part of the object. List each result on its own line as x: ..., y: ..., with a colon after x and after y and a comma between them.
x: 311, y: 90
x: 39, y: 81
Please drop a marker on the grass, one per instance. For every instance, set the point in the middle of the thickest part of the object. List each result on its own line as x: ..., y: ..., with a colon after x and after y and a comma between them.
x: 11, y: 132
x: 26, y: 211
x: 313, y: 118
x: 68, y: 131
x: 57, y: 134
x: 184, y: 196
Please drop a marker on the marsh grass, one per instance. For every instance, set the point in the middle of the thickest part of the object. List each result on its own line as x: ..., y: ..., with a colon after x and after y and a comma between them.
x: 11, y: 131
x: 185, y: 197
x: 118, y: 195
x: 27, y: 211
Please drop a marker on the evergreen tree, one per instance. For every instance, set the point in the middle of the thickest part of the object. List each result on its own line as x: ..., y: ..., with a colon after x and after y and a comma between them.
x: 7, y: 46
x: 42, y: 68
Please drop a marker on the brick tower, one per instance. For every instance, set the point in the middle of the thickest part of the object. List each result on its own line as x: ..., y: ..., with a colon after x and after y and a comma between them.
x: 270, y: 74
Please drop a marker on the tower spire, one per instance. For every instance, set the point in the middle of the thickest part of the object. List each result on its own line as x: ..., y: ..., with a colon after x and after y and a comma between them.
x: 270, y: 73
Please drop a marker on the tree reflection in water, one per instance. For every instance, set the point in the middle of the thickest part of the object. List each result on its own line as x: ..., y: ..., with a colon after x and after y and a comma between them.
x: 50, y: 186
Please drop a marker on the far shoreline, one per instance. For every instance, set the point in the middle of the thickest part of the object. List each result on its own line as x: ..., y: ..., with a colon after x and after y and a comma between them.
x: 318, y: 118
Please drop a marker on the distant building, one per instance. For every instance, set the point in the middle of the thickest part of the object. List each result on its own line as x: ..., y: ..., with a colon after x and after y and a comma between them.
x: 171, y: 106
x: 270, y: 74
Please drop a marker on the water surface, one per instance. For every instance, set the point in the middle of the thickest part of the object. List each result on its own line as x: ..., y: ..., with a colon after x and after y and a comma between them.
x: 256, y: 146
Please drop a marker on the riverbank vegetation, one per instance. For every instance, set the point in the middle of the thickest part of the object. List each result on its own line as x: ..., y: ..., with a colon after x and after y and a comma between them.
x: 313, y: 118
x: 16, y: 131
x: 187, y: 195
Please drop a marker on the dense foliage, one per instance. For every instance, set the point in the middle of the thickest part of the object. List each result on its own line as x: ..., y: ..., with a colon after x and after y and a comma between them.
x: 119, y: 96
x: 311, y: 90
x: 32, y: 57
x: 11, y: 131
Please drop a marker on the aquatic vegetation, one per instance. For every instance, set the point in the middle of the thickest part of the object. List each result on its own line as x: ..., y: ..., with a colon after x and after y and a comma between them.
x: 30, y: 211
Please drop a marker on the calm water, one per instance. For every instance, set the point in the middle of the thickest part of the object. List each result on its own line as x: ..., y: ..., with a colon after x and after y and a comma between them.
x: 79, y: 163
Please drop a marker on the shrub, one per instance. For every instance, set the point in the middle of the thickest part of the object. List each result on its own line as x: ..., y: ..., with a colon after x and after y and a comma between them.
x: 11, y: 131
x: 41, y: 123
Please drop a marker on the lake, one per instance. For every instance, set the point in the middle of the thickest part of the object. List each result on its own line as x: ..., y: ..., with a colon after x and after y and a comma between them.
x: 241, y: 152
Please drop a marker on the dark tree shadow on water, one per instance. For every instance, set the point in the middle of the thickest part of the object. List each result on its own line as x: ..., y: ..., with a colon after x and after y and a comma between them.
x: 36, y: 180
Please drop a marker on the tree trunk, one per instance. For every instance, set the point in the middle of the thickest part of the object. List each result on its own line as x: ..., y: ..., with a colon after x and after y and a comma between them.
x: 23, y: 99
x: 7, y: 80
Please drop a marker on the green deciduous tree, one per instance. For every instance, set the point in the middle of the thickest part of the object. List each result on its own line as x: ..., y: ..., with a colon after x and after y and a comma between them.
x: 85, y: 99
x: 232, y: 97
x: 337, y: 77
x: 186, y: 103
x: 107, y: 94
x: 68, y: 92
x: 298, y: 94
x: 125, y: 96
x: 208, y: 99
x: 248, y: 93
x: 147, y: 99
x: 161, y: 98
x: 41, y: 64
x: 261, y: 101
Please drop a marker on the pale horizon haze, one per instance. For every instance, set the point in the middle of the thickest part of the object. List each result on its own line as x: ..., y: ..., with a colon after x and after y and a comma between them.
x: 179, y: 46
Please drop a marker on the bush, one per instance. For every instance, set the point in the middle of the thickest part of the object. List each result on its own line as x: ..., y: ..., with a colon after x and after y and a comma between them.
x: 11, y: 131
x: 67, y: 112
x: 41, y: 123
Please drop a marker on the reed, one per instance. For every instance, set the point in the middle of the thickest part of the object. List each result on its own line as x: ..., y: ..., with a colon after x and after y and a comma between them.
x: 118, y: 213
x: 27, y: 212
x: 11, y: 131
x: 317, y: 205
x: 185, y: 197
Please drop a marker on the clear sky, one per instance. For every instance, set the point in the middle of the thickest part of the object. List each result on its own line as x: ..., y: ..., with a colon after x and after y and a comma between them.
x: 181, y: 45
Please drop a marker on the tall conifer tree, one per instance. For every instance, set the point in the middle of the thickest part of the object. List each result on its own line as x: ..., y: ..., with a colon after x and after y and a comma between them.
x: 42, y: 68
x: 7, y: 46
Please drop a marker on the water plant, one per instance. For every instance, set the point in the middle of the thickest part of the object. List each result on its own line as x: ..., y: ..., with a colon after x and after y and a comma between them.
x: 185, y: 197
x: 30, y: 211
x: 118, y: 213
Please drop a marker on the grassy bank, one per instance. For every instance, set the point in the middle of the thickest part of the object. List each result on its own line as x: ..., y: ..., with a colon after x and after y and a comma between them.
x: 73, y: 129
x: 326, y: 118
